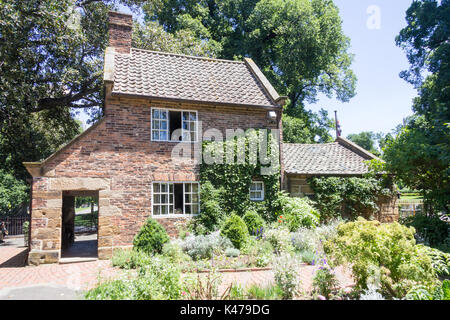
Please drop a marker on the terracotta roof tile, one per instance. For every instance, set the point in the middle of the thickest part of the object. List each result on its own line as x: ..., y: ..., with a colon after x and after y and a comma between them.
x: 323, y: 159
x: 180, y: 77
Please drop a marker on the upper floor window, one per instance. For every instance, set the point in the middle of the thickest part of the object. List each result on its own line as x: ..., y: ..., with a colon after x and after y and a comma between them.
x: 165, y: 122
x: 257, y: 191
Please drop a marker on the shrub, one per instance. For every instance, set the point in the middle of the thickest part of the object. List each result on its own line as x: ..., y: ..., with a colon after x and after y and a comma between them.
x: 13, y: 192
x: 280, y: 239
x: 286, y: 272
x: 158, y: 280
x: 389, y: 249
x: 324, y: 282
x: 432, y: 229
x: 203, y: 247
x: 260, y: 253
x: 439, y: 292
x: 308, y: 256
x: 440, y: 261
x: 305, y: 240
x: 151, y: 237
x: 210, y: 208
x: 232, y: 252
x: 235, y: 230
x: 130, y: 259
x: 174, y: 253
x: 253, y: 221
x: 298, y: 212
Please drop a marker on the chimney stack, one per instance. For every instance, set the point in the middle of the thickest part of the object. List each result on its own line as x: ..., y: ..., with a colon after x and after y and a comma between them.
x: 120, y: 30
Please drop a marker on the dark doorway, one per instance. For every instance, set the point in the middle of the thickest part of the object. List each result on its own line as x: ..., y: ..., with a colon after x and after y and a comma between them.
x: 79, y: 235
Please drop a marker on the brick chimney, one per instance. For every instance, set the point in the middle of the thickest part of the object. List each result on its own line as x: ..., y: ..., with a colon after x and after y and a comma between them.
x: 120, y: 30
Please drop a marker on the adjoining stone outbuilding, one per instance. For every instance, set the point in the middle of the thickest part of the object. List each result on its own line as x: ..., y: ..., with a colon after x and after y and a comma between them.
x: 341, y: 158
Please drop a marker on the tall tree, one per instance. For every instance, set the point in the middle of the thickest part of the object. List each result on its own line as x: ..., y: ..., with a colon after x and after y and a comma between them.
x: 299, y: 45
x: 367, y: 140
x: 420, y: 154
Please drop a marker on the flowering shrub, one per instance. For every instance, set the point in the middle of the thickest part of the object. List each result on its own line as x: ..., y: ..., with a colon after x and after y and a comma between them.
x: 297, y: 212
x: 286, y: 272
x: 253, y: 221
x: 203, y: 247
x: 388, y: 249
x: 280, y: 239
x: 130, y: 259
x: 324, y: 282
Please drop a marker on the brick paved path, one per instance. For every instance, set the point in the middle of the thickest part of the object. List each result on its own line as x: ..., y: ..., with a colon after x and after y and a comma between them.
x: 85, y: 275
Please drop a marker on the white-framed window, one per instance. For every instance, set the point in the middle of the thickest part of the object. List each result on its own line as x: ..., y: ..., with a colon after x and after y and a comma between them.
x: 165, y: 121
x: 257, y: 191
x: 175, y: 199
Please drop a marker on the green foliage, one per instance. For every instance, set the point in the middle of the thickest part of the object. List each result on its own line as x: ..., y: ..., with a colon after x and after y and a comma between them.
x: 420, y: 154
x: 280, y: 239
x: 324, y: 282
x: 232, y: 252
x: 204, y: 246
x: 253, y: 221
x: 13, y: 193
x: 286, y: 274
x: 306, y: 126
x: 269, y: 292
x: 151, y: 237
x: 384, y: 252
x: 130, y: 259
x: 297, y: 212
x: 439, y: 260
x: 260, y: 253
x: 347, y: 197
x: 212, y: 213
x: 441, y: 292
x: 367, y: 140
x: 308, y: 256
x: 233, y: 180
x: 174, y: 253
x: 235, y: 229
x: 432, y: 229
x: 157, y: 280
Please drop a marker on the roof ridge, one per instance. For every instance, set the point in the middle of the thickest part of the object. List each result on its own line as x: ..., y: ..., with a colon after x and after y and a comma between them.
x: 187, y: 56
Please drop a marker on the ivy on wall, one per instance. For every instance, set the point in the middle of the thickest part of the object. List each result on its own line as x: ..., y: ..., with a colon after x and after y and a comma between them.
x: 347, y: 197
x: 233, y: 180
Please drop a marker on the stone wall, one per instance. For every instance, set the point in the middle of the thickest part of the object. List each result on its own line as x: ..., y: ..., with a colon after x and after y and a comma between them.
x: 118, y: 159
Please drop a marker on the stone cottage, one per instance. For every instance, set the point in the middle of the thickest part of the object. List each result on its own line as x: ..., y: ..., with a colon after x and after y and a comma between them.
x: 153, y: 101
x: 124, y: 160
x: 341, y: 158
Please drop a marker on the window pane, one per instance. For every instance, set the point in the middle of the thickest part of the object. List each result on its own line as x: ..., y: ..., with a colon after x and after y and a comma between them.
x: 187, y: 198
x: 155, y: 124
x: 156, y: 210
x: 163, y: 136
x: 195, y: 209
x: 155, y: 114
x: 163, y: 187
x: 187, y: 187
x: 194, y: 187
x: 187, y: 209
x: 164, y: 210
x: 155, y: 135
x: 195, y: 198
x: 164, y: 198
x: 164, y: 125
x: 156, y: 187
x: 192, y: 116
x: 163, y: 115
x: 156, y: 198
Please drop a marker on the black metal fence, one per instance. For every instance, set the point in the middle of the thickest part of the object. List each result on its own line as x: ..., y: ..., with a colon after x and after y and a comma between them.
x: 14, y: 224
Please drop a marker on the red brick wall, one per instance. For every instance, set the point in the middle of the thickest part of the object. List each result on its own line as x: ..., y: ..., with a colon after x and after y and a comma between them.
x: 121, y: 152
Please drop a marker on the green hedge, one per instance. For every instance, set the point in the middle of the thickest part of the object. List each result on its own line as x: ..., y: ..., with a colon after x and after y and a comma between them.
x: 151, y: 238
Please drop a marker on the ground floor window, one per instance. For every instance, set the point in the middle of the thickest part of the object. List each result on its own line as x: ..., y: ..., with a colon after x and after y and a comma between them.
x: 257, y: 191
x: 176, y: 198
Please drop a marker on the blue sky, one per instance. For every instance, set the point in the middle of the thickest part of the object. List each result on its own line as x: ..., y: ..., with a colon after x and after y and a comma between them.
x: 382, y: 98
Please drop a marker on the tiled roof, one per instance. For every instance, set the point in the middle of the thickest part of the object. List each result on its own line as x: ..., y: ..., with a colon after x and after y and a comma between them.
x: 180, y: 77
x: 339, y: 158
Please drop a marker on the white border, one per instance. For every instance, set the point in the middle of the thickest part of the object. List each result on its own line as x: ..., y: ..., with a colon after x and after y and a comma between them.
x: 168, y: 125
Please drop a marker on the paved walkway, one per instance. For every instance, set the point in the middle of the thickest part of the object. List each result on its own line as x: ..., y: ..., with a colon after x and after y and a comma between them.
x: 67, y: 281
